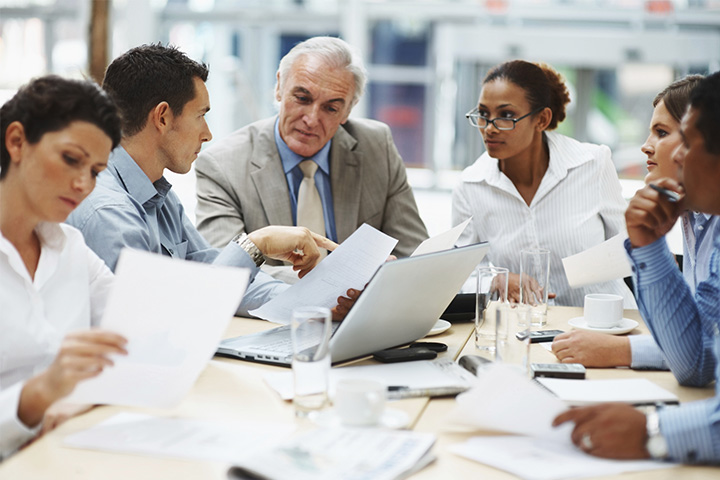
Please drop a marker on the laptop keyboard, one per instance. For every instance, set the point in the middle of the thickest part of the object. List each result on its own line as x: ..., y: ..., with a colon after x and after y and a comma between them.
x: 282, y: 344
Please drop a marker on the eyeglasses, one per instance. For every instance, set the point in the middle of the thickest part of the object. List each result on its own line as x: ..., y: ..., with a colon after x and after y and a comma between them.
x: 477, y: 120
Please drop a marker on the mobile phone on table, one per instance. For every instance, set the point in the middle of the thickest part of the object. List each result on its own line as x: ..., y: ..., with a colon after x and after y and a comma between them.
x: 544, y: 335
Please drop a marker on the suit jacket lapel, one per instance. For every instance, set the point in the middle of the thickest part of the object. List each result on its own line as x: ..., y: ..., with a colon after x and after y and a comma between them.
x: 269, y: 178
x: 346, y: 181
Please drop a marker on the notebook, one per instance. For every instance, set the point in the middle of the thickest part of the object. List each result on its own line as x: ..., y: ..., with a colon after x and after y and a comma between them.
x: 400, y: 304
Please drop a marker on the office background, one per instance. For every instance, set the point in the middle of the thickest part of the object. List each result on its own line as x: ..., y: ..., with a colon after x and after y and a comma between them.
x: 425, y: 59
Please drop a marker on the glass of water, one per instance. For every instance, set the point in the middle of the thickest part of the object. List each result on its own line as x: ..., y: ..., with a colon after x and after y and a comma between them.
x: 492, y: 286
x: 310, y: 329
x: 534, y: 283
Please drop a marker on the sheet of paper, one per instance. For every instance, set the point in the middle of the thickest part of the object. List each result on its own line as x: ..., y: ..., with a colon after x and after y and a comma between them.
x: 173, y: 314
x: 179, y: 437
x: 504, y: 400
x: 443, y: 241
x: 351, y: 265
x: 423, y: 374
x: 342, y: 453
x: 601, y: 263
x: 542, y: 459
x: 636, y: 391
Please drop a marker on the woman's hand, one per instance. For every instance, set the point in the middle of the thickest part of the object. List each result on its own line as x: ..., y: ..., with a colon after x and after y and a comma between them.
x: 82, y: 355
x: 531, y: 285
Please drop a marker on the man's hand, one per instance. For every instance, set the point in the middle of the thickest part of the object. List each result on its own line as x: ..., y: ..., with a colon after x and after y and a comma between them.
x: 60, y: 412
x: 592, y: 349
x: 82, y: 355
x: 610, y: 430
x: 345, y: 304
x: 296, y: 245
x: 650, y: 215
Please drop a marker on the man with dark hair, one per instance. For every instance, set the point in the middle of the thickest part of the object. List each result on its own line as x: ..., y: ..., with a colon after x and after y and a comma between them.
x: 163, y: 100
x: 350, y: 168
x: 686, y: 328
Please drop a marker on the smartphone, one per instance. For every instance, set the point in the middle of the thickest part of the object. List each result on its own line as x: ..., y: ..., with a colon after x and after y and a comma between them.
x: 543, y: 335
x: 394, y: 355
x: 558, y: 370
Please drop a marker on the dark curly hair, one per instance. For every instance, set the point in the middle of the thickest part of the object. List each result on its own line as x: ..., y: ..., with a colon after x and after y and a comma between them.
x: 705, y: 98
x: 51, y: 103
x: 544, y: 87
x: 141, y: 78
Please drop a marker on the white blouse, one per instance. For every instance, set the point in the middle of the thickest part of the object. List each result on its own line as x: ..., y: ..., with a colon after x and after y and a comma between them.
x: 578, y: 204
x: 68, y: 293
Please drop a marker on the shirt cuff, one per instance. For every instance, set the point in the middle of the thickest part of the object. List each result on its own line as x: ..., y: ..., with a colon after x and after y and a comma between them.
x: 650, y: 263
x: 13, y: 432
x: 234, y: 255
x: 646, y: 354
x: 692, y: 431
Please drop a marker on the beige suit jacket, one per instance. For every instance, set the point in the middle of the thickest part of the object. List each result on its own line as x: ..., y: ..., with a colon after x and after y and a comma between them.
x: 241, y: 185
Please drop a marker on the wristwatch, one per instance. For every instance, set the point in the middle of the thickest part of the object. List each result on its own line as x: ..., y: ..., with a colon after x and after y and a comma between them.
x: 246, y: 244
x: 656, y: 444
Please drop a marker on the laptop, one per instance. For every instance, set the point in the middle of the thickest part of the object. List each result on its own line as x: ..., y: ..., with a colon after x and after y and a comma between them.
x: 400, y: 304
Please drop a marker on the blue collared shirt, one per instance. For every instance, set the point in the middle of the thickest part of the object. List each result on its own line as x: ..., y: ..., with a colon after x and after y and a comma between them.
x: 686, y: 329
x: 127, y: 210
x: 293, y: 175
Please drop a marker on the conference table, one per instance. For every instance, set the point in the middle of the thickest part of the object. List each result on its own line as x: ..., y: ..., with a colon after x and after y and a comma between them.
x: 233, y: 390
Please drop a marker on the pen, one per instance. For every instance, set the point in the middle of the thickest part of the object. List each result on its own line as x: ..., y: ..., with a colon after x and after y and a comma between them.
x: 396, y: 392
x: 669, y: 194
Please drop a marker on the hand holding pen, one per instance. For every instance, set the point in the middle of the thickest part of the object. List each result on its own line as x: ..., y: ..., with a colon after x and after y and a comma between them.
x: 653, y: 210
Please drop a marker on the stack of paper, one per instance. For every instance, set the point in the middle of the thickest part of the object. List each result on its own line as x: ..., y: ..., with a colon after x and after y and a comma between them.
x: 635, y: 391
x: 341, y: 453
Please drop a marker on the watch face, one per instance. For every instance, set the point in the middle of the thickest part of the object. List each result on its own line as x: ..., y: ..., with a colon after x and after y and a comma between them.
x: 657, y: 447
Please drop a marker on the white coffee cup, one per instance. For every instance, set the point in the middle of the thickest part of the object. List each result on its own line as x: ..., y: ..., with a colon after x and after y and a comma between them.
x: 603, y: 310
x: 359, y: 402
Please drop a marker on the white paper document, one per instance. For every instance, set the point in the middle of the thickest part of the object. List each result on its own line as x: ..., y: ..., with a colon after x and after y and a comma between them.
x: 635, y: 391
x: 351, y: 265
x: 601, y: 263
x: 504, y: 400
x: 443, y: 241
x: 343, y: 454
x: 179, y: 437
x: 173, y: 314
x: 420, y: 375
x: 534, y: 458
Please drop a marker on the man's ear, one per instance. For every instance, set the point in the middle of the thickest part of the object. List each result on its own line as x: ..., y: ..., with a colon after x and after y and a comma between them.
x: 15, y: 140
x: 161, y: 116
x: 277, y: 86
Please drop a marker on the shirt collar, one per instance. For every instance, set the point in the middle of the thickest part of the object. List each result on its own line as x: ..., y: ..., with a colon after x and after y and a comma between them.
x: 51, y: 236
x: 137, y: 184
x: 290, y: 159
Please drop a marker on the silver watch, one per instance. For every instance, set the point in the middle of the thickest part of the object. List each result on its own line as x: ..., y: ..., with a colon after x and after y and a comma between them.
x: 246, y: 244
x: 656, y: 444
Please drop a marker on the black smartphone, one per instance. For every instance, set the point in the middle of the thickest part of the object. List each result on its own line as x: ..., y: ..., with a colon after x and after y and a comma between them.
x: 404, y: 355
x: 558, y: 370
x: 543, y: 335
x: 473, y: 363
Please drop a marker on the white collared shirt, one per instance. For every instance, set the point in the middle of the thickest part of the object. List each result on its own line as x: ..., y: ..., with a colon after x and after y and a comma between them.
x: 68, y: 293
x: 578, y: 204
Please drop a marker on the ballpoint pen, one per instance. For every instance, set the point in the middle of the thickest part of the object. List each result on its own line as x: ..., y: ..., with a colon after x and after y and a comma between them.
x: 673, y: 197
x: 399, y: 392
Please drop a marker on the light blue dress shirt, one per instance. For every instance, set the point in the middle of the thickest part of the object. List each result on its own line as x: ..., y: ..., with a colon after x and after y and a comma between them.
x: 293, y: 175
x: 127, y: 210
x: 686, y: 329
x: 699, y: 233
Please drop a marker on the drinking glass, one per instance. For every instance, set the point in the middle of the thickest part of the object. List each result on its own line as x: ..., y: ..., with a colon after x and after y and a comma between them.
x: 534, y: 278
x: 512, y: 337
x: 310, y: 329
x: 492, y: 287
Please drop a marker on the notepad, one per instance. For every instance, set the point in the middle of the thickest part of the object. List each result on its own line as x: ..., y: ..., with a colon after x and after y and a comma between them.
x: 635, y: 391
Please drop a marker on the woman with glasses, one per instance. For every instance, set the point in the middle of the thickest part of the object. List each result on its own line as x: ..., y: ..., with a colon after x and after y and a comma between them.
x: 534, y: 188
x: 55, y: 137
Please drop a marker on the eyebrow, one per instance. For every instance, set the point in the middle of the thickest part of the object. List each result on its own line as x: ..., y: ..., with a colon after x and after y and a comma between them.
x: 307, y: 92
x: 80, y: 147
x: 504, y: 105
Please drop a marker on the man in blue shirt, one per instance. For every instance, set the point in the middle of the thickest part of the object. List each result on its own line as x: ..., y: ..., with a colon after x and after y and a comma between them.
x: 163, y: 100
x: 686, y: 328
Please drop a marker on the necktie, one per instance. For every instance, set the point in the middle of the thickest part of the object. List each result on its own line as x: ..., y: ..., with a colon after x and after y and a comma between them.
x: 309, y: 205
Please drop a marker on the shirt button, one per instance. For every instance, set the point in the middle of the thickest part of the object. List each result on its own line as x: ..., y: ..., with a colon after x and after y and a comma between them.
x: 634, y: 269
x: 642, y: 266
x: 171, y: 251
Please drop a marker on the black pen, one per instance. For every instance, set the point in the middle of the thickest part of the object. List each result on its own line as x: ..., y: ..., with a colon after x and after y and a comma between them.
x: 669, y: 194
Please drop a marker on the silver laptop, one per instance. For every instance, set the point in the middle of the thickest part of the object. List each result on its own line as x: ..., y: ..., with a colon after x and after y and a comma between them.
x: 400, y: 304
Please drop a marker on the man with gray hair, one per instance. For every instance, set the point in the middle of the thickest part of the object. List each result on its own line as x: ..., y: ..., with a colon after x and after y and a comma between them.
x: 272, y: 172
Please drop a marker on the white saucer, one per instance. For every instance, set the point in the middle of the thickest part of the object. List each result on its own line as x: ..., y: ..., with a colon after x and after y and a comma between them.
x: 439, y: 327
x: 391, y: 418
x: 626, y: 325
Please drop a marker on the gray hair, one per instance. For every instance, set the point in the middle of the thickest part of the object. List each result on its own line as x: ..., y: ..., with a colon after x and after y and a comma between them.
x: 335, y: 52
